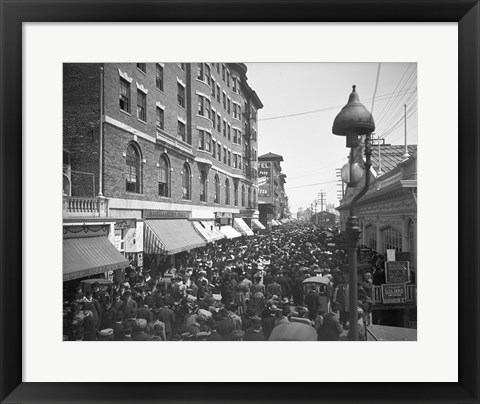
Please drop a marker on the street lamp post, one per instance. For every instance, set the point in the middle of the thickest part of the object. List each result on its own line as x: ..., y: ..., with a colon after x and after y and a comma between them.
x: 355, y: 122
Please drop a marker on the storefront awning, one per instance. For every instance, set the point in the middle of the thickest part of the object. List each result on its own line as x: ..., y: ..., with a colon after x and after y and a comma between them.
x: 89, y: 256
x: 242, y: 227
x: 230, y: 232
x: 208, y: 230
x: 257, y: 224
x: 171, y: 236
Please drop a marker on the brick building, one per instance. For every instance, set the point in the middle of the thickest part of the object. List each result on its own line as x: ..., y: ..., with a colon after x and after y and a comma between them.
x: 159, y: 141
x: 273, y: 199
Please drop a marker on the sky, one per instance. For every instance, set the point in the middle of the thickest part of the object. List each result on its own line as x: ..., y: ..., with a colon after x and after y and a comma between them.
x: 315, y: 93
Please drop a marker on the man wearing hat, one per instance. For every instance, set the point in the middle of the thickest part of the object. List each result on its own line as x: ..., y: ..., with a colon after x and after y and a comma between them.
x: 117, y: 326
x: 255, y: 332
x: 139, y: 331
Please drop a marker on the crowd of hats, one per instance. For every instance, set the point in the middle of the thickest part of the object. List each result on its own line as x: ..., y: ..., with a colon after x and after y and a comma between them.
x: 241, y: 281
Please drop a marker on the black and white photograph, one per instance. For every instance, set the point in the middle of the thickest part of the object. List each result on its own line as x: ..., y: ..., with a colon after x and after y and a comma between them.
x: 215, y: 201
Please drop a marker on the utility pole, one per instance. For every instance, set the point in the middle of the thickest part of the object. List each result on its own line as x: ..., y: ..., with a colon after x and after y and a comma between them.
x: 406, y: 155
x: 323, y: 198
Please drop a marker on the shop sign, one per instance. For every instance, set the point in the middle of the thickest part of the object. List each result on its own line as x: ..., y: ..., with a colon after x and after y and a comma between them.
x: 134, y: 238
x: 245, y: 213
x: 393, y: 293
x: 264, y: 179
x: 397, y: 271
x: 123, y: 224
x: 165, y: 214
x: 223, y: 215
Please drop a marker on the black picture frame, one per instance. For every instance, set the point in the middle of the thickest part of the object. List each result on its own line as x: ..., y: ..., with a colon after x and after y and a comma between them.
x: 465, y: 12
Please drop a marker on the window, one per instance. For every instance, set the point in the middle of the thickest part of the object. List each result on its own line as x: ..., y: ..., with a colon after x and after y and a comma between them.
x: 163, y: 176
x: 213, y: 88
x: 214, y: 149
x: 181, y: 131
x: 249, y: 200
x: 208, y: 76
x: 218, y: 93
x: 200, y: 71
x: 203, y: 107
x: 142, y: 67
x: 228, y: 105
x: 224, y: 155
x: 240, y: 162
x: 186, y: 182
x: 229, y: 132
x: 203, y: 187
x: 224, y: 101
x: 234, y: 107
x: 229, y: 161
x: 239, y: 112
x: 243, y: 195
x: 235, y: 161
x: 160, y: 119
x: 234, y: 79
x: 141, y: 106
x: 133, y: 169
x: 219, y: 123
x: 181, y: 95
x: 124, y: 95
x: 214, y: 116
x: 217, y: 190
x: 159, y: 77
x: 235, y: 193
x: 208, y: 141
x: 371, y: 237
x: 219, y: 153
x: 223, y: 72
x: 392, y: 239
x: 227, y: 192
x: 201, y: 140
x: 228, y: 79
x: 224, y: 128
x: 181, y: 66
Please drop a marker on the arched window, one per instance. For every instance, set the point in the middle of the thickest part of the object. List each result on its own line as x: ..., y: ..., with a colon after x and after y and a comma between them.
x: 371, y: 237
x: 163, y: 176
x: 243, y: 195
x: 392, y: 239
x: 235, y: 193
x: 203, y: 186
x: 227, y: 192
x: 217, y: 190
x: 186, y: 182
x: 249, y: 197
x: 133, y: 169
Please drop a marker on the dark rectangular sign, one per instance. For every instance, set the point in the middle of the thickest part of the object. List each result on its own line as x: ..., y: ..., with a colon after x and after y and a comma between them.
x: 165, y: 214
x: 393, y: 293
x: 397, y: 271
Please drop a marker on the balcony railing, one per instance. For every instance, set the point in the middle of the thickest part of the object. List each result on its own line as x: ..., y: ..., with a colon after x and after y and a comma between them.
x: 84, y: 206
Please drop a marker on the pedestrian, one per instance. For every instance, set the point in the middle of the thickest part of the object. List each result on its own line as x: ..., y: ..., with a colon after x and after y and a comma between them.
x: 331, y: 328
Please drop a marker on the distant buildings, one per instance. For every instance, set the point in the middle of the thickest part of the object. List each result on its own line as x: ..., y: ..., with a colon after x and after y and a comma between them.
x: 153, y: 151
x: 273, y: 200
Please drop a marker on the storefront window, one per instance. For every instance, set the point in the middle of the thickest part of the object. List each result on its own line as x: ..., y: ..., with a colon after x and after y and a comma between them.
x: 392, y: 239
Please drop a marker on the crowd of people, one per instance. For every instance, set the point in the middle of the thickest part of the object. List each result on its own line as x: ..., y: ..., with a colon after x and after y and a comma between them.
x: 233, y: 290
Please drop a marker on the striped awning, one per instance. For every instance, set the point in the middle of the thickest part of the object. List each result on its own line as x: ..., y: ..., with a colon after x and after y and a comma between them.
x: 87, y: 256
x: 256, y: 224
x: 170, y: 236
x: 208, y: 230
x: 240, y: 225
x: 230, y: 232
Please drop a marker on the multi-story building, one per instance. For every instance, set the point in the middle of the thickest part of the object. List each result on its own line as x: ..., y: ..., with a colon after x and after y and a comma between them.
x: 151, y: 141
x: 273, y: 199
